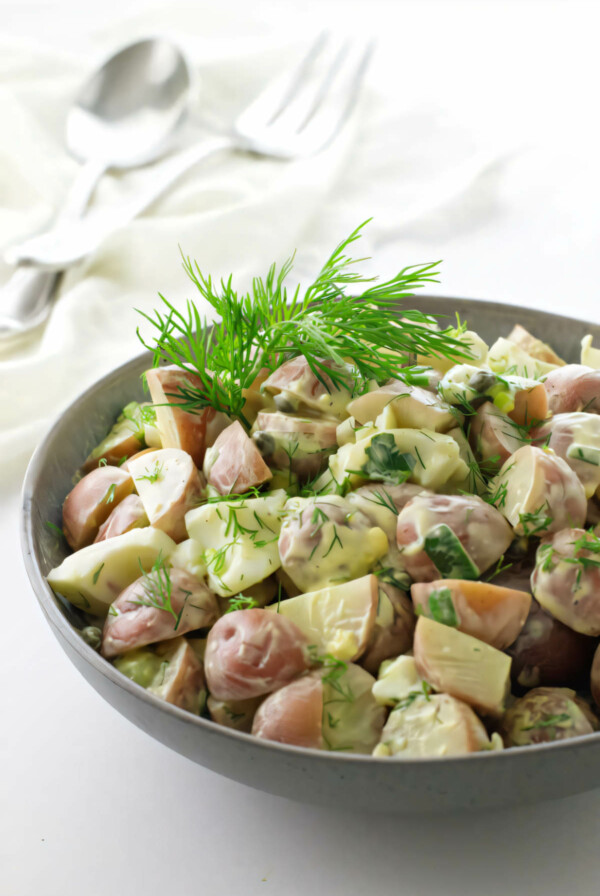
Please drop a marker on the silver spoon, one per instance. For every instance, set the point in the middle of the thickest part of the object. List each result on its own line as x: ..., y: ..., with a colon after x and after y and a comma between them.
x: 122, y: 118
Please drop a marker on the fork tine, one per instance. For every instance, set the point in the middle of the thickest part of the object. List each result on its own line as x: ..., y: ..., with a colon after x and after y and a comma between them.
x: 347, y: 103
x: 279, y: 93
x: 324, y: 86
x: 336, y: 107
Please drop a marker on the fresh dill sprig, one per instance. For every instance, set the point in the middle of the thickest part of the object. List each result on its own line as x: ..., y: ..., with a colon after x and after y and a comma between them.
x: 241, y: 602
x: 157, y: 589
x: 347, y: 338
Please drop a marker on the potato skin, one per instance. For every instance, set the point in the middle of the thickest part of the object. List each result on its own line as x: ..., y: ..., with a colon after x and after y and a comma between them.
x: 253, y: 652
x: 549, y: 653
x: 127, y: 515
x: 544, y: 715
x: 481, y: 529
x: 91, y: 502
x: 561, y: 432
x: 293, y: 714
x: 566, y: 579
x: 489, y: 612
x: 573, y: 387
x: 493, y: 436
x: 392, y: 640
x: 538, y: 492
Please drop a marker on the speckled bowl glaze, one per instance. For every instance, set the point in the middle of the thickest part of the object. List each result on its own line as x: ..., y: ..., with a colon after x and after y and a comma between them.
x: 520, y: 775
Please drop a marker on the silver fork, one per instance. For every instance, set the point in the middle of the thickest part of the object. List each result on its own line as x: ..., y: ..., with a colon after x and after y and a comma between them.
x: 297, y: 115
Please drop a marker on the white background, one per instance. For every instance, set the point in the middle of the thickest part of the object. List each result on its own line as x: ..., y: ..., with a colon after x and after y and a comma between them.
x: 90, y: 805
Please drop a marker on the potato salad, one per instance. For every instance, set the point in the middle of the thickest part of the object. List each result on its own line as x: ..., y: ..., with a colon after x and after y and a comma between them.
x: 323, y: 555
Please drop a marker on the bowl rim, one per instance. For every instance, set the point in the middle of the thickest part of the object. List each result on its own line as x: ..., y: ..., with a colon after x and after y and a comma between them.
x: 49, y: 604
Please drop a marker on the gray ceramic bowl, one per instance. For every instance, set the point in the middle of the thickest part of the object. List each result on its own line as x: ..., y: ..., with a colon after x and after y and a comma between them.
x: 519, y: 775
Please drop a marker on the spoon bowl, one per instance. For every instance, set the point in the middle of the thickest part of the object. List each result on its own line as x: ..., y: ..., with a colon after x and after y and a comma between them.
x: 131, y: 105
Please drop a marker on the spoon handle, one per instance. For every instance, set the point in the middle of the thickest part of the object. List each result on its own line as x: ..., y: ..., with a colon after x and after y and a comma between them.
x: 68, y: 243
x: 26, y: 299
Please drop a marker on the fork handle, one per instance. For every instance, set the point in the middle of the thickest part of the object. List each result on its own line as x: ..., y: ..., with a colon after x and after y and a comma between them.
x: 66, y: 244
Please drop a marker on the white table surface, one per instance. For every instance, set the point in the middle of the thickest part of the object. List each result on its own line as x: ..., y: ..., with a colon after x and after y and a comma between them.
x: 89, y: 804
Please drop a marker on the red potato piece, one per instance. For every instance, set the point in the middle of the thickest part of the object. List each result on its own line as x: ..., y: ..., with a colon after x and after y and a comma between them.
x: 576, y: 438
x: 549, y: 653
x: 253, y: 652
x: 438, y: 726
x: 595, y: 677
x: 482, y: 530
x: 544, y: 715
x: 394, y: 628
x: 573, y: 388
x: 493, y: 614
x: 129, y: 514
x: 352, y: 718
x: 293, y: 714
x: 190, y: 432
x: 298, y: 444
x: 295, y: 387
x: 169, y: 485
x: 338, y: 620
x: 464, y: 667
x: 132, y: 622
x: 339, y: 539
x: 538, y: 492
x: 126, y: 447
x: 377, y: 502
x: 91, y: 502
x: 534, y: 346
x: 412, y: 406
x: 233, y: 465
x: 182, y: 682
x: 493, y: 436
x: 531, y: 405
x: 566, y: 579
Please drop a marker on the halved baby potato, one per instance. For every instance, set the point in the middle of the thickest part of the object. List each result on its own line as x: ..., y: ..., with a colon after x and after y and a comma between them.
x: 538, y: 492
x: 464, y: 667
x: 338, y: 620
x: 129, y: 514
x: 412, y: 407
x: 296, y: 389
x: 169, y: 485
x: 534, y: 346
x: 493, y: 436
x: 181, y: 681
x: 252, y: 652
x: 394, y: 628
x: 239, y: 540
x: 293, y: 714
x: 94, y: 576
x: 432, y: 725
x: 124, y: 439
x: 233, y: 465
x: 546, y: 714
x: 191, y: 432
x: 162, y: 604
x: 91, y: 502
x: 493, y: 614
